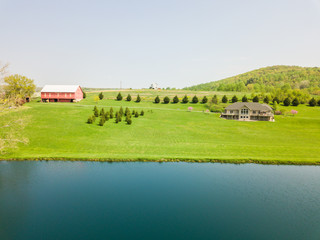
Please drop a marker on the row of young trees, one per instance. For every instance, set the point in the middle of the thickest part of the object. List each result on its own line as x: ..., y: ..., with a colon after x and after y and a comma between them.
x: 313, y: 102
x: 185, y: 99
x: 128, y: 98
x: 266, y: 99
x: 118, y: 115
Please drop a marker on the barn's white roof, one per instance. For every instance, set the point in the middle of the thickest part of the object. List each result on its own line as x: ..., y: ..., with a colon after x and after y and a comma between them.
x: 60, y: 88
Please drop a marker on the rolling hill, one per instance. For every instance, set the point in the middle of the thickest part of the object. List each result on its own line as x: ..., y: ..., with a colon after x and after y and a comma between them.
x: 267, y: 80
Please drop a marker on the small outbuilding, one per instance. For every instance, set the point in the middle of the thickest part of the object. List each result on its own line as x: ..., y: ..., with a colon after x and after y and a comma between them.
x: 61, y: 93
x: 246, y: 111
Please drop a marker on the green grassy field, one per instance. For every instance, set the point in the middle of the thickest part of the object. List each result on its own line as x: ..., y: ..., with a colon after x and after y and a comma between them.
x: 167, y: 132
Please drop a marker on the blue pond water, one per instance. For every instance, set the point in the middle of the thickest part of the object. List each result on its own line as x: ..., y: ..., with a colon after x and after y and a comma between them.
x: 92, y: 200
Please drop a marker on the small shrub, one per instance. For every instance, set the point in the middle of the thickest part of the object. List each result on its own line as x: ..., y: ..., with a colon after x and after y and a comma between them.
x: 128, y: 98
x: 278, y: 113
x: 157, y: 99
x: 138, y: 98
x: 217, y: 109
x: 136, y: 114
x: 190, y: 109
x: 101, y: 96
x: 195, y: 99
x: 129, y: 121
x: 295, y: 102
x: 224, y: 99
x: 133, y: 112
x: 312, y: 102
x: 286, y: 102
x: 204, y: 100
x: 141, y: 113
x: 166, y: 99
x: 119, y: 97
x: 294, y: 112
x: 175, y: 99
x: 244, y: 98
x: 234, y: 99
x: 185, y: 99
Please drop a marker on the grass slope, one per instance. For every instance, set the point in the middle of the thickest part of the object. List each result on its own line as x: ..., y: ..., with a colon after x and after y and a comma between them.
x: 168, y: 132
x: 274, y: 76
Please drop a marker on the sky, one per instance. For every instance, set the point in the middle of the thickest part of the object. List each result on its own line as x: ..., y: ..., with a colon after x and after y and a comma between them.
x: 175, y: 43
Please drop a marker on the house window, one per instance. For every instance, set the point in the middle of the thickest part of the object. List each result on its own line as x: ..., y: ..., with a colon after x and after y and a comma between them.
x: 244, y: 111
x: 254, y: 112
x: 231, y: 111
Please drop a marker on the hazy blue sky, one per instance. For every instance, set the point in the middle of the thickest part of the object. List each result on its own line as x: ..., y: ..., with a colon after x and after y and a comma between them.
x: 174, y: 43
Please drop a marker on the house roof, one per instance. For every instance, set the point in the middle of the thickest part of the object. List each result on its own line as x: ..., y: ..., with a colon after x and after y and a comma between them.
x: 251, y: 105
x: 60, y: 88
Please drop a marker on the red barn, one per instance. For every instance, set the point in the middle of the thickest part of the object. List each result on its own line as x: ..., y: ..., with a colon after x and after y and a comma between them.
x: 61, y: 93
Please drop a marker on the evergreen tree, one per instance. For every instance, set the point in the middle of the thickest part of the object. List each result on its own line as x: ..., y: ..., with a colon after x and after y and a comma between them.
x: 111, y: 112
x: 102, y: 112
x: 128, y: 98
x: 121, y: 111
x: 127, y: 111
x: 275, y: 99
x: 266, y: 100
x: 90, y: 121
x: 128, y: 120
x: 215, y: 99
x: 166, y: 100
x: 244, y: 98
x: 286, y: 102
x: 93, y: 118
x: 96, y: 112
x: 141, y: 113
x: 136, y: 114
x: 138, y: 98
x: 95, y: 108
x: 204, y: 100
x: 102, y: 121
x: 234, y: 99
x: 295, y: 102
x: 119, y: 97
x: 111, y: 115
x: 275, y: 106
x: 312, y: 102
x: 195, y: 99
x: 133, y: 112
x: 185, y: 99
x: 175, y: 99
x: 101, y: 96
x: 107, y: 116
x: 224, y: 99
x: 84, y: 95
x: 157, y: 99
x: 255, y: 99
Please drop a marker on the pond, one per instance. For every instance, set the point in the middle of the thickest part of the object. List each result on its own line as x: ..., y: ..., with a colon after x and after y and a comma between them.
x: 101, y: 200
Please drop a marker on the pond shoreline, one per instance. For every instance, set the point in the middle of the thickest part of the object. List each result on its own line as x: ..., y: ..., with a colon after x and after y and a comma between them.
x: 204, y: 160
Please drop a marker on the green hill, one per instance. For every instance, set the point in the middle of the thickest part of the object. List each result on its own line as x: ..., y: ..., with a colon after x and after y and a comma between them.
x: 268, y: 79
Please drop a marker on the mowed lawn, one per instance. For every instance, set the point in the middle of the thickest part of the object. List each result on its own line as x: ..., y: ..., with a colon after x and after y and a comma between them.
x: 166, y: 132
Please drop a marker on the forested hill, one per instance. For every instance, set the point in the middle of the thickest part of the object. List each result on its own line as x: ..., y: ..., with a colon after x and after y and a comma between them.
x: 268, y: 79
